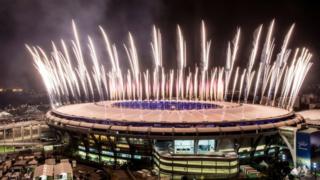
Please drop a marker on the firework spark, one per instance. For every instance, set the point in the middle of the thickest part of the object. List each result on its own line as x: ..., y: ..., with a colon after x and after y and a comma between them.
x: 275, y: 82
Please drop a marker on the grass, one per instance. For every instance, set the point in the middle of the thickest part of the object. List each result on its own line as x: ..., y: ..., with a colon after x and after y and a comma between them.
x: 6, y: 149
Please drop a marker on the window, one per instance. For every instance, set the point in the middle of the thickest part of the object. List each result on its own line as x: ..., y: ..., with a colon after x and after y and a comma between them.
x: 124, y: 155
x: 107, y: 153
x: 195, y: 170
x: 205, y: 146
x: 183, y: 146
x: 81, y: 148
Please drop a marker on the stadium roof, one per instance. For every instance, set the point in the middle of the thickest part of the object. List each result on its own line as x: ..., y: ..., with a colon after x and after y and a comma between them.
x: 229, y: 112
x: 312, y: 115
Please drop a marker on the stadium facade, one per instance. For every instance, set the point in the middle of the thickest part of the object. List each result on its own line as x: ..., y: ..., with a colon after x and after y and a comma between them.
x: 199, y: 139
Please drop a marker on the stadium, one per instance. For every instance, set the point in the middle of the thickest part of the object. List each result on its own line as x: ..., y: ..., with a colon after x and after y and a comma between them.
x: 201, y: 122
x: 196, y: 138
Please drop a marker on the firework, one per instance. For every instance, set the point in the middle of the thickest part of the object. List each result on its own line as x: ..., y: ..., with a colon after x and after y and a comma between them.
x: 276, y: 81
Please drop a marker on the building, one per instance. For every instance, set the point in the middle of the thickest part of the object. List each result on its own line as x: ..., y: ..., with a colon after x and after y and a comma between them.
x: 178, y: 138
x: 308, y: 148
x: 22, y: 135
x: 63, y: 171
x: 43, y: 172
x: 60, y: 171
x: 312, y: 117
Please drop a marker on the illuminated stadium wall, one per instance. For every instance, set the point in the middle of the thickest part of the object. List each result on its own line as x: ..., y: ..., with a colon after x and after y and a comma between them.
x: 212, y: 145
x: 201, y: 158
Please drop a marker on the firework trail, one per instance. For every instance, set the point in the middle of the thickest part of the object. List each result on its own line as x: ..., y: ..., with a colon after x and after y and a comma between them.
x: 68, y: 78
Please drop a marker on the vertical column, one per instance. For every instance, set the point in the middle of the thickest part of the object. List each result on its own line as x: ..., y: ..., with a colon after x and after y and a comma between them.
x: 31, y: 132
x: 195, y: 146
x: 13, y: 134
x: 39, y: 130
x: 4, y: 135
x: 294, y: 154
x: 86, y: 145
x: 131, y: 148
x: 112, y: 147
x: 22, y: 132
x: 115, y: 151
x: 173, y: 146
x: 97, y: 145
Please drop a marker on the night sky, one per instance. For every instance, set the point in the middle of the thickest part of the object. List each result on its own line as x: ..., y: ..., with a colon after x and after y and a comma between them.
x: 38, y: 22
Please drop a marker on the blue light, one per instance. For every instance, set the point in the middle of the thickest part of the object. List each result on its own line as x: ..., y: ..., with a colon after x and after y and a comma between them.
x: 165, y: 105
